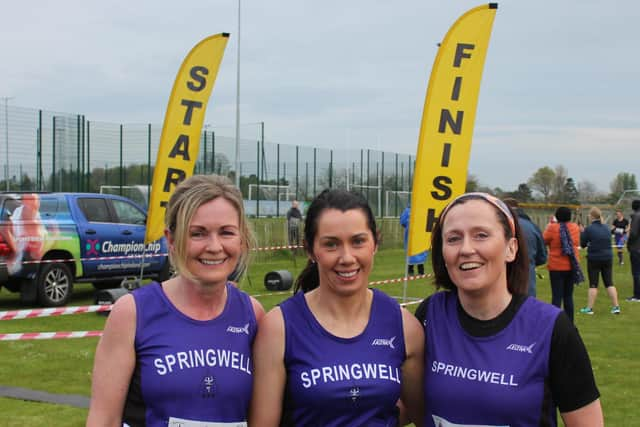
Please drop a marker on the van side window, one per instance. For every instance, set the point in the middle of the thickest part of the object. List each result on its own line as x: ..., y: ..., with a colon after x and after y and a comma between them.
x: 51, y: 207
x: 9, y: 205
x: 128, y: 213
x: 48, y: 207
x: 95, y: 210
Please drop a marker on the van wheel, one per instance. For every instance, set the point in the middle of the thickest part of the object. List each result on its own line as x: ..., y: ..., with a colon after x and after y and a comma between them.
x: 55, y: 284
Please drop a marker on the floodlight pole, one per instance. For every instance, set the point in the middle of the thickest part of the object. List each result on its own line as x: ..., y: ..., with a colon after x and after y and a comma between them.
x: 6, y: 139
x: 237, y: 152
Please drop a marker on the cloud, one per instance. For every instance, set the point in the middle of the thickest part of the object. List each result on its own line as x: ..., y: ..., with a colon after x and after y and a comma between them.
x: 559, y: 85
x: 505, y: 156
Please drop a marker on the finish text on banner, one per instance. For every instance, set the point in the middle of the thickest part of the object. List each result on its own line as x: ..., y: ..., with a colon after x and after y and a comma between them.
x: 180, y: 138
x: 448, y: 117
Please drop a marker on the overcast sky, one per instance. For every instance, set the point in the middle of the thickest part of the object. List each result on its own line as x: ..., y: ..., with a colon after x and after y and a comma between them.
x: 560, y: 84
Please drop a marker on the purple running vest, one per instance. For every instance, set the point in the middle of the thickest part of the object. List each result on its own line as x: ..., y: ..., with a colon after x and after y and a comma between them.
x: 190, y: 369
x: 498, y: 380
x: 334, y: 381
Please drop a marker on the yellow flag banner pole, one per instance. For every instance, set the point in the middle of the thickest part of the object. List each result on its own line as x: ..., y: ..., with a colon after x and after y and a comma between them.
x: 448, y: 117
x: 180, y: 138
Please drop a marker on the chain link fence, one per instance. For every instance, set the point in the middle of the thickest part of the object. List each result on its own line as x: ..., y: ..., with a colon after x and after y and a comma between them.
x: 51, y: 151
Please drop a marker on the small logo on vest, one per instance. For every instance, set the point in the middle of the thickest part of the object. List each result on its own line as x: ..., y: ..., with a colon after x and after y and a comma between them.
x: 209, y: 386
x: 521, y: 348
x: 384, y: 342
x: 239, y: 330
x: 354, y: 392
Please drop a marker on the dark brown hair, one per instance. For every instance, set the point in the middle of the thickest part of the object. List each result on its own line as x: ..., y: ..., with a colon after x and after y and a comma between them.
x: 343, y: 201
x: 517, y: 270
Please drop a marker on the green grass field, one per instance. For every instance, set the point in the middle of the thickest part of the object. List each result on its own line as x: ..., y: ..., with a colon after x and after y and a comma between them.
x: 64, y: 366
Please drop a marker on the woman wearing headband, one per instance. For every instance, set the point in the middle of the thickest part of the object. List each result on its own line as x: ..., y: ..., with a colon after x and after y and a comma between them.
x: 494, y: 356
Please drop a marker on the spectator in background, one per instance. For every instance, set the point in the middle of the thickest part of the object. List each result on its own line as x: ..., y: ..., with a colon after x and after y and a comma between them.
x: 619, y: 229
x: 536, y: 250
x: 294, y: 218
x: 418, y: 259
x: 563, y: 238
x: 633, y: 244
x: 597, y: 239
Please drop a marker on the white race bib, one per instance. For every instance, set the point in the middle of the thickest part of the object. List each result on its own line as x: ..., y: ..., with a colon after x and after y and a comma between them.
x: 180, y: 422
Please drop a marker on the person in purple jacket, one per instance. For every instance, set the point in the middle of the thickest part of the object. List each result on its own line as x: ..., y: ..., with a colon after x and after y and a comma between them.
x: 178, y: 353
x: 338, y: 353
x: 493, y: 355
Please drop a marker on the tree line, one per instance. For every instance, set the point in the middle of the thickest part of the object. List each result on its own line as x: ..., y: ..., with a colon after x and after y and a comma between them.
x: 554, y: 185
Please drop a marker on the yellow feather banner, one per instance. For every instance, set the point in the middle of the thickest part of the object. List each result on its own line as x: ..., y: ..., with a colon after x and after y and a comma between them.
x: 448, y: 117
x: 180, y: 138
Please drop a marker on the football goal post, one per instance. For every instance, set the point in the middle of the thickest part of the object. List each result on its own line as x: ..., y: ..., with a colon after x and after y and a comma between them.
x: 365, y: 190
x: 395, y: 202
x: 270, y: 192
x: 625, y: 199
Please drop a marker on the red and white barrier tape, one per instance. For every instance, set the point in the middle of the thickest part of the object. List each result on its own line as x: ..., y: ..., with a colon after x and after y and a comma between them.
x: 47, y: 312
x: 24, y: 336
x: 62, y: 311
x: 271, y: 294
x: 49, y: 335
x: 411, y: 303
x: 400, y: 279
x: 274, y: 248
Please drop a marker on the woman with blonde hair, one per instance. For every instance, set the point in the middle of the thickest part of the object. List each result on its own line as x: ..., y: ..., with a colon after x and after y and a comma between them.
x: 597, y: 239
x: 179, y: 352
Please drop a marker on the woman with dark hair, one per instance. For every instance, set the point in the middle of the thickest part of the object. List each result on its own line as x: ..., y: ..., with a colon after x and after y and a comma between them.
x: 563, y: 239
x: 338, y: 353
x: 493, y: 355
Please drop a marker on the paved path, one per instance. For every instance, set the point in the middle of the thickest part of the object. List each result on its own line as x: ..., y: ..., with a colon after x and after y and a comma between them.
x: 42, y: 396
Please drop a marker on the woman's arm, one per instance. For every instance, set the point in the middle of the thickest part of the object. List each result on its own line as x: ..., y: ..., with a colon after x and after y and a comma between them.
x: 412, y: 394
x: 571, y: 379
x: 269, y: 374
x: 584, y: 238
x: 257, y: 309
x: 113, y: 366
x: 587, y: 416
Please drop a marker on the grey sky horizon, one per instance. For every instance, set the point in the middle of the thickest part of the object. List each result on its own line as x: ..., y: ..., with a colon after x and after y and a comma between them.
x: 559, y: 84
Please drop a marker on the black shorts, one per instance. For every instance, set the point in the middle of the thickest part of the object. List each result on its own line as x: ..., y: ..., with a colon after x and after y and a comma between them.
x: 595, y: 268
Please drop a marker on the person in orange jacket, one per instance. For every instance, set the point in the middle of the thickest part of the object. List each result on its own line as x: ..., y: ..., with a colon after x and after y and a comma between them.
x: 564, y: 270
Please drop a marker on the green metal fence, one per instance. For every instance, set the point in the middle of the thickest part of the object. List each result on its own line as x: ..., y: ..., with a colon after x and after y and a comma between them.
x: 49, y: 151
